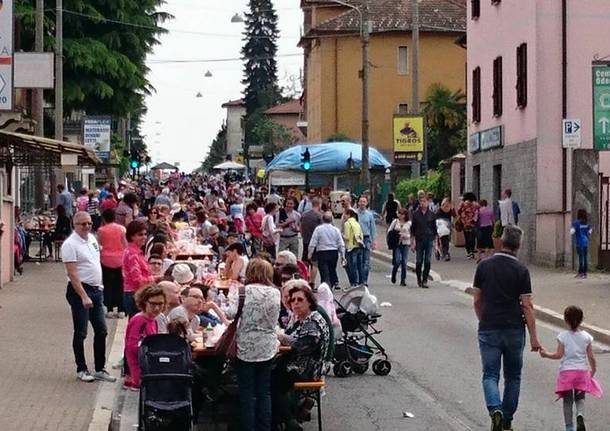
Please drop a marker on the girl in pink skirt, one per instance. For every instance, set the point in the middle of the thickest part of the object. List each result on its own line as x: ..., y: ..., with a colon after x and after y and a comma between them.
x: 577, y: 368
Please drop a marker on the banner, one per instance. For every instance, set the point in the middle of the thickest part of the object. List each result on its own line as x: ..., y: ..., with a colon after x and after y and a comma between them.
x: 97, y: 132
x: 408, y: 138
x: 601, y: 107
x: 6, y: 55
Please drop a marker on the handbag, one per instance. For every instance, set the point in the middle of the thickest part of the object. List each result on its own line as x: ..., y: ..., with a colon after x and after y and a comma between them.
x: 393, y: 238
x: 227, y: 344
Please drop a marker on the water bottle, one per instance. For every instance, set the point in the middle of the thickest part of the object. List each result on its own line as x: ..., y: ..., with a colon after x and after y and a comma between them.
x: 206, y: 264
x: 222, y: 300
x: 209, y: 332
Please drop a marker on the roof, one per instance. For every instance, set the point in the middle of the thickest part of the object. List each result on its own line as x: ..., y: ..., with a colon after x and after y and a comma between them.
x: 234, y: 103
x: 27, y: 150
x: 291, y: 107
x: 164, y: 166
x: 395, y: 15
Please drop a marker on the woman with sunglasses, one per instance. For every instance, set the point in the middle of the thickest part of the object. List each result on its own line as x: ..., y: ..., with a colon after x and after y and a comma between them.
x: 151, y: 302
x: 308, y: 336
x: 135, y: 269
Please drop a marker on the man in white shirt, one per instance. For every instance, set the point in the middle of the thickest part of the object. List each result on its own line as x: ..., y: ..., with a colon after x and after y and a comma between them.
x: 81, y: 256
x: 328, y: 245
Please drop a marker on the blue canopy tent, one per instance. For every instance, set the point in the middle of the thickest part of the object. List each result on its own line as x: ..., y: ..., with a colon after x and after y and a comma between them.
x: 326, y: 158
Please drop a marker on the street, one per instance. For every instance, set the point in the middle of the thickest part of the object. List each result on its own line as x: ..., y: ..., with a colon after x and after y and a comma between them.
x: 430, y: 336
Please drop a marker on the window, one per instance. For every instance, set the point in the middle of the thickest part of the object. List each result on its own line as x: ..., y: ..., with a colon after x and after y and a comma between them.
x: 403, y: 60
x: 522, y: 76
x: 497, y: 90
x: 476, y: 95
x: 476, y: 180
x: 496, y: 2
x: 475, y: 8
x: 403, y: 109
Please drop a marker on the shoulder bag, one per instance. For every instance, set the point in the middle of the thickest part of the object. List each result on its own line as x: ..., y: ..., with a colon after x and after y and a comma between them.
x: 227, y: 345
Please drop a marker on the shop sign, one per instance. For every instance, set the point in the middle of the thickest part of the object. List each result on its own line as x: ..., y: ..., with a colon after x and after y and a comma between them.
x: 409, y: 139
x: 601, y: 107
x: 491, y: 138
x: 97, y: 132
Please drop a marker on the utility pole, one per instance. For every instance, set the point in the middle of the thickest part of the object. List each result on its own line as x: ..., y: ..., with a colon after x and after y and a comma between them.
x: 415, y: 77
x: 38, y: 110
x: 59, y: 71
x: 365, y: 25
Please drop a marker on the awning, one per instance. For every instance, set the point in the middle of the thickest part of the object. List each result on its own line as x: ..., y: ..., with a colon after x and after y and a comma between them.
x: 17, y: 149
x: 164, y: 166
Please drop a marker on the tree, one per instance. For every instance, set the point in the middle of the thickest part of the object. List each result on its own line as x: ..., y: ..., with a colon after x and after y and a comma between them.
x: 260, y: 68
x: 275, y: 137
x: 445, y: 118
x: 218, y: 150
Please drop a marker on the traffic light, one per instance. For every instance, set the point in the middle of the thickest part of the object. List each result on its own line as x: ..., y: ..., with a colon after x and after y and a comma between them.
x: 306, y: 160
x: 134, y: 160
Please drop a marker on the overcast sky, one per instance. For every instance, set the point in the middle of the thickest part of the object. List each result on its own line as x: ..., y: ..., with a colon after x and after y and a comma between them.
x: 180, y: 127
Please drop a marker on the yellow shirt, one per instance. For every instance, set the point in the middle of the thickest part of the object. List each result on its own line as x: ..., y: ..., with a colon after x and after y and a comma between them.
x: 352, y: 234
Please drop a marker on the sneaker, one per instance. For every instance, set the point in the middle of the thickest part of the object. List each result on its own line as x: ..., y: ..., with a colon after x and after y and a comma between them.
x: 104, y: 375
x: 580, y: 423
x: 424, y: 285
x: 496, y: 420
x: 403, y: 284
x: 84, y: 376
x: 119, y: 365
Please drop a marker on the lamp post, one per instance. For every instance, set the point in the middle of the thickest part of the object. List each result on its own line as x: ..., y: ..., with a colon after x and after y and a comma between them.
x: 365, y: 30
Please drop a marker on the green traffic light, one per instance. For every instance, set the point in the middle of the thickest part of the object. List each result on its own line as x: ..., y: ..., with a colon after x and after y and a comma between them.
x: 307, y: 165
x: 135, y: 164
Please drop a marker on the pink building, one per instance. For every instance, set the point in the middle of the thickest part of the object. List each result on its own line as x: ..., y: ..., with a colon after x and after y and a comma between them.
x: 516, y: 103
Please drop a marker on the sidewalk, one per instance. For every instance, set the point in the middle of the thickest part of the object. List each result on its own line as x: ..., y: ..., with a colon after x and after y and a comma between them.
x: 37, y: 371
x: 554, y: 288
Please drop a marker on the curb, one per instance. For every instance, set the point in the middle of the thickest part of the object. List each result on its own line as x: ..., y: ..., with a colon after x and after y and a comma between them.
x: 387, y: 258
x: 542, y: 313
x: 104, y: 410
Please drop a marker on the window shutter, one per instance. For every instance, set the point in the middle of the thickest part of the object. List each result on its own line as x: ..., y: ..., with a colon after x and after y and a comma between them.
x: 497, y: 87
x: 475, y: 8
x: 476, y: 95
x: 522, y: 76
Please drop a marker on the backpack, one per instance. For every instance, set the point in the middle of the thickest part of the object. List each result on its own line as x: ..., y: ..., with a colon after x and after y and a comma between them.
x: 392, y: 238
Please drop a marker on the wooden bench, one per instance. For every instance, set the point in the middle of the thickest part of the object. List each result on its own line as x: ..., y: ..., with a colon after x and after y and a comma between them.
x: 312, y: 388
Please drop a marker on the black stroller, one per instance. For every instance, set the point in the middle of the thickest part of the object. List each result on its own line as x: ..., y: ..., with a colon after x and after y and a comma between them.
x: 354, y: 351
x: 165, y: 391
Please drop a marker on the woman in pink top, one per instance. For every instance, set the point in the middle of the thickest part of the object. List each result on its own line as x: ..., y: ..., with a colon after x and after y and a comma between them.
x: 485, y: 224
x: 151, y: 301
x: 136, y: 272
x: 111, y: 237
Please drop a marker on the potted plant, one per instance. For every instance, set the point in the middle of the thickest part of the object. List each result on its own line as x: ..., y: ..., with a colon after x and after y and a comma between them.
x: 497, y: 235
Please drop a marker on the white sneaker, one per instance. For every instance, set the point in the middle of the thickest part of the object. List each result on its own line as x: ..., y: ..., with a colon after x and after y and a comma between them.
x: 104, y: 375
x: 84, y: 376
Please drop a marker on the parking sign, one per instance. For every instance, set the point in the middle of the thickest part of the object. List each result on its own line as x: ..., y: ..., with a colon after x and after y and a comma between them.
x: 571, y: 137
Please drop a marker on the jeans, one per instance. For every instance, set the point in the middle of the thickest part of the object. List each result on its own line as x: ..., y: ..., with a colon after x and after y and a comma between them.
x: 583, y: 259
x: 129, y: 304
x: 113, y: 288
x: 445, y: 245
x: 254, y: 380
x: 327, y: 265
x: 423, y: 254
x: 290, y: 243
x: 353, y: 269
x: 399, y: 260
x: 80, y: 317
x: 497, y: 347
x: 365, y: 259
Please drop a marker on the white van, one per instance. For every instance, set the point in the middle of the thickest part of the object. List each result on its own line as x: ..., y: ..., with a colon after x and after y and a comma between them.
x: 335, y: 202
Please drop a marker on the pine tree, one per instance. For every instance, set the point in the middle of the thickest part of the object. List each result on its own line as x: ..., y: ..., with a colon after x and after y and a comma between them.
x: 218, y: 150
x: 260, y: 69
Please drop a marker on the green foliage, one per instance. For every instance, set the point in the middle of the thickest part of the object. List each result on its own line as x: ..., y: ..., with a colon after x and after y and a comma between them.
x: 260, y: 69
x: 339, y: 137
x: 446, y: 124
x: 274, y: 137
x: 218, y: 150
x: 104, y: 61
x: 435, y: 182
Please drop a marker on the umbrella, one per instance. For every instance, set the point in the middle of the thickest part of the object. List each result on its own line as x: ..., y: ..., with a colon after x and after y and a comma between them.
x: 229, y: 165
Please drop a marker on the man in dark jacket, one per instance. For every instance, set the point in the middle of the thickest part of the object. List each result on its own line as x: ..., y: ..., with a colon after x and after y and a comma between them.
x: 423, y: 234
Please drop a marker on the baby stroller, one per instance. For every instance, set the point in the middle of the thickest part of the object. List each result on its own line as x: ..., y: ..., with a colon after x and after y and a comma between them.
x: 358, y: 345
x: 165, y: 392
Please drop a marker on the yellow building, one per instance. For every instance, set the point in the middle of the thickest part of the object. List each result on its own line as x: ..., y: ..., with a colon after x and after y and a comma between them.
x: 333, y: 61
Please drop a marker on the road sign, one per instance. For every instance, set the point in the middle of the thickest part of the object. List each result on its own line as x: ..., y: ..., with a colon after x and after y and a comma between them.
x: 6, y: 55
x: 572, y: 137
x: 601, y: 107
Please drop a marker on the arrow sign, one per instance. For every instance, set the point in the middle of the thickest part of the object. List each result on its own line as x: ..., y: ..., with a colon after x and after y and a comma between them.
x: 604, y: 122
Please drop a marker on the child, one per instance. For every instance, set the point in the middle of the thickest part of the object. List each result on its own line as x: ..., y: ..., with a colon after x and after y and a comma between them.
x: 574, y: 348
x: 581, y: 230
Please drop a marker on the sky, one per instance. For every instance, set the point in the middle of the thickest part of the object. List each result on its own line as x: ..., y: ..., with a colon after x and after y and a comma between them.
x: 179, y: 127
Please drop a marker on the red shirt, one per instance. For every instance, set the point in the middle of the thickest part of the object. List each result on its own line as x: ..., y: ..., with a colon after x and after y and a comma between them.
x: 254, y: 224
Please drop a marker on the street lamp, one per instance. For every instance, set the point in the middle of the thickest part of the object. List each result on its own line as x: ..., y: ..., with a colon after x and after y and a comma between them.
x: 199, y: 95
x: 235, y: 19
x: 365, y: 30
x: 208, y: 74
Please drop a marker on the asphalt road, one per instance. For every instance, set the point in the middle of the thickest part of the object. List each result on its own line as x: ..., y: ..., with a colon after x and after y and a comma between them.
x: 430, y: 336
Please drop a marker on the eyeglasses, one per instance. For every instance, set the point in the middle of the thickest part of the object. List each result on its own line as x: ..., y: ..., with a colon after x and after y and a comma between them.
x: 297, y: 299
x: 85, y: 223
x: 155, y: 304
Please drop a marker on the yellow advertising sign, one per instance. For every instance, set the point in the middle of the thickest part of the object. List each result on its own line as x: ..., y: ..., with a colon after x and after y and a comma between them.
x: 408, y: 134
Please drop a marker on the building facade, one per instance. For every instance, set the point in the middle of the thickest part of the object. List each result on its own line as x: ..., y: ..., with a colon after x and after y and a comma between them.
x: 236, y: 110
x: 519, y: 91
x: 333, y: 61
